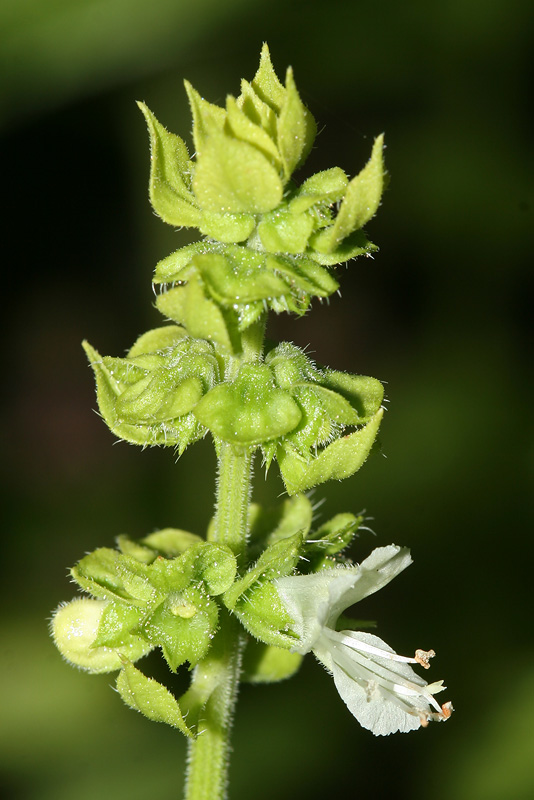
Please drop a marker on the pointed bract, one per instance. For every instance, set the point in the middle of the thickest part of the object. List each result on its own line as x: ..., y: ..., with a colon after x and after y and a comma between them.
x: 170, y: 175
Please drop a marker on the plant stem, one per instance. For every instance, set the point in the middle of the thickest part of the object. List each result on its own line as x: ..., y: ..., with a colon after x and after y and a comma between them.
x: 207, y: 767
x: 209, y: 753
x: 233, y: 494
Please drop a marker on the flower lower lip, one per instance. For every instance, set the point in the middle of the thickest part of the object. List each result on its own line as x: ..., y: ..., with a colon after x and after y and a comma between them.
x: 407, y: 691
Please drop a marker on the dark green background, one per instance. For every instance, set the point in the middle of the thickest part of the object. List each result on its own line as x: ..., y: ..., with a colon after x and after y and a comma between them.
x: 441, y: 314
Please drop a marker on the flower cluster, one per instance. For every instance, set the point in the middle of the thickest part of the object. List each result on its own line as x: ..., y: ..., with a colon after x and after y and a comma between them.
x: 157, y: 592
x: 267, y: 242
x: 267, y: 577
x: 170, y: 390
x: 169, y: 589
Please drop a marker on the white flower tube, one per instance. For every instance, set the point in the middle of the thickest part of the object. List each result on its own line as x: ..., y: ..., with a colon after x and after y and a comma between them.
x: 379, y: 687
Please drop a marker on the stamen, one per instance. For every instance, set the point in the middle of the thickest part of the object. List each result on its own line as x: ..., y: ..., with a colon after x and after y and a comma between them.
x: 423, y: 657
x: 409, y: 692
x: 444, y: 713
x: 355, y: 644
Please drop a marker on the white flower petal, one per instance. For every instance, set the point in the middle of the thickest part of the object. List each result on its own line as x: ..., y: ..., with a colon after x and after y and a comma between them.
x: 380, y: 690
x: 373, y: 711
x: 316, y: 600
x: 74, y: 627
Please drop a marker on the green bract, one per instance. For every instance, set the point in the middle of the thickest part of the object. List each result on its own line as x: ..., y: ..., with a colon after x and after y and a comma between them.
x: 147, y: 397
x: 149, y: 697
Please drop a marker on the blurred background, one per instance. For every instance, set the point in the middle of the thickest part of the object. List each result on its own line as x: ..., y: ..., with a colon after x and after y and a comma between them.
x: 441, y: 314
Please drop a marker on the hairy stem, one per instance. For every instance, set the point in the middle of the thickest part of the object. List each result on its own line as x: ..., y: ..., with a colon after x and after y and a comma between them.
x: 209, y: 753
x: 207, y: 774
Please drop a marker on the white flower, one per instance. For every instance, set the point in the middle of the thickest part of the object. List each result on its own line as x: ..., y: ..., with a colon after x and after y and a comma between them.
x: 379, y: 687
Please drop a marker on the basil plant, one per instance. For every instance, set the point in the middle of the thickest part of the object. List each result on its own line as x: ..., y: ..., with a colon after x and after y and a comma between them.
x: 261, y: 588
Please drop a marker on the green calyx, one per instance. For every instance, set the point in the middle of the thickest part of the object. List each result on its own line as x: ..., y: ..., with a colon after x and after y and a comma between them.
x: 285, y: 542
x: 150, y: 597
x: 147, y: 397
x: 170, y: 390
x: 267, y: 241
x: 297, y: 413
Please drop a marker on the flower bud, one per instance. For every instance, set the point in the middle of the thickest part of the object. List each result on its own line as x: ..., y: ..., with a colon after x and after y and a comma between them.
x: 75, y: 627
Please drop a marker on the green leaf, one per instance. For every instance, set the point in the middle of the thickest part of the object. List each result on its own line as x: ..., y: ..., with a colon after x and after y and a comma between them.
x: 202, y: 317
x: 159, y: 396
x: 263, y: 614
x: 227, y: 227
x: 208, y: 119
x: 279, y: 558
x: 147, y: 399
x: 117, y: 623
x: 99, y: 573
x: 316, y: 428
x: 256, y: 109
x: 323, y: 188
x: 108, y: 389
x: 291, y: 366
x: 248, y: 314
x: 171, y: 542
x: 174, y: 267
x: 320, y: 247
x: 296, y: 517
x: 337, y: 461
x: 213, y: 564
x: 333, y: 405
x: 170, y: 175
x: 135, y: 550
x: 126, y: 373
x: 249, y: 411
x: 263, y: 663
x: 271, y: 524
x: 138, y: 580
x: 334, y: 535
x: 304, y: 275
x: 282, y: 231
x: 268, y: 451
x: 150, y: 698
x: 296, y: 128
x: 364, y: 394
x: 242, y: 127
x: 239, y: 276
x: 157, y: 339
x: 217, y: 569
x: 183, y: 626
x: 234, y: 177
x: 266, y: 84
x: 362, y: 197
